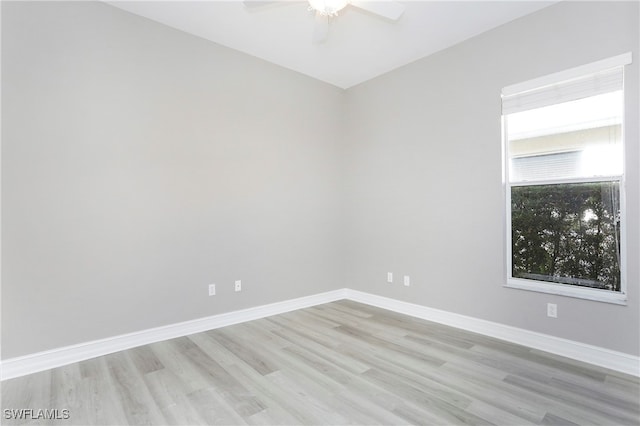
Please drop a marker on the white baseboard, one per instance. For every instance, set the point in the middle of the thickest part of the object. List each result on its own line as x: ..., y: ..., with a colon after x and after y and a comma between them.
x: 595, y: 355
x: 21, y: 366
x: 33, y: 363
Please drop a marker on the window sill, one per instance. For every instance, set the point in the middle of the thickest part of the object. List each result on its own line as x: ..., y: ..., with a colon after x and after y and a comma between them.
x: 569, y: 291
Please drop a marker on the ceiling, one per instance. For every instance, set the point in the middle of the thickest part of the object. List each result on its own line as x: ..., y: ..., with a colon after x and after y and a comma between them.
x: 360, y: 45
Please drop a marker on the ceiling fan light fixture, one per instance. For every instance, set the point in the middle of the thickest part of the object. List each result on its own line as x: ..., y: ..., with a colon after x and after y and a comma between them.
x: 327, y: 7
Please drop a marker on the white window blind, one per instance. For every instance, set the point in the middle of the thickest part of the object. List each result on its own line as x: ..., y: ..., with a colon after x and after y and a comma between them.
x: 566, y: 91
x: 569, y: 85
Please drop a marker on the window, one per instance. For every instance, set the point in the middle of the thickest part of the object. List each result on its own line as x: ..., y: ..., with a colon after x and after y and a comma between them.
x: 564, y: 175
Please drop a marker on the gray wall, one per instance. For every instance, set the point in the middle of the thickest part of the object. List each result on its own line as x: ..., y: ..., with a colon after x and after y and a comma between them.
x: 425, y: 192
x: 141, y: 164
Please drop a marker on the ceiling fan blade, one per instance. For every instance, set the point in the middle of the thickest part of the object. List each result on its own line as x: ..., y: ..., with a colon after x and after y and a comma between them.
x: 387, y: 9
x: 321, y: 28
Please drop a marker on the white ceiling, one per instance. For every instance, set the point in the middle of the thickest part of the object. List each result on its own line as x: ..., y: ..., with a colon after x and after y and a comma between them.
x: 360, y: 46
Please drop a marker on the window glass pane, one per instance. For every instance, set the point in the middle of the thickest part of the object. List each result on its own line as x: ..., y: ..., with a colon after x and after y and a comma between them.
x: 540, y: 167
x: 578, y: 139
x: 567, y: 233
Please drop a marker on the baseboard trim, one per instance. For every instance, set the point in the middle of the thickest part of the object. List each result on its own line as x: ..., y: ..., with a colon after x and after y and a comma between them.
x: 33, y: 363
x: 595, y: 355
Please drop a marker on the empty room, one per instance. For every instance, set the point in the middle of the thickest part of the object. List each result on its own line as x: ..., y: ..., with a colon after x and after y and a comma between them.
x: 320, y: 212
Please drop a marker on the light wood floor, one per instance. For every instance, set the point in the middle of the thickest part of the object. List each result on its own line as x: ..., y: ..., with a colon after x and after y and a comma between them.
x: 339, y: 363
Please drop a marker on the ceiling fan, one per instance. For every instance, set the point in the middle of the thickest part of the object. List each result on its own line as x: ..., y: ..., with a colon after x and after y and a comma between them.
x: 324, y: 9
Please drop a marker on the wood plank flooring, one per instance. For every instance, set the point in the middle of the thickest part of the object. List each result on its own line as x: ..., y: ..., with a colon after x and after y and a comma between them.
x: 338, y: 363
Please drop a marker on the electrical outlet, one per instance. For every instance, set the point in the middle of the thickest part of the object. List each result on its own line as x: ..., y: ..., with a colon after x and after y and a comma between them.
x: 238, y: 286
x: 212, y: 289
x: 407, y: 280
x: 552, y: 310
x: 389, y: 277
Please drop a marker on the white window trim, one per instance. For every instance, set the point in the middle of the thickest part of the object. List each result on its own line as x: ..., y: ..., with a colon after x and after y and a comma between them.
x: 598, y: 295
x: 595, y: 179
x: 568, y: 290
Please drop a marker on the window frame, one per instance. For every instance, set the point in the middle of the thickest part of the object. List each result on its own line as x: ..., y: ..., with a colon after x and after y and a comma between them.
x: 599, y: 295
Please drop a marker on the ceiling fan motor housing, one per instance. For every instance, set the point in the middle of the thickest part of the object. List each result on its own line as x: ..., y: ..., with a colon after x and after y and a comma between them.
x: 328, y: 7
